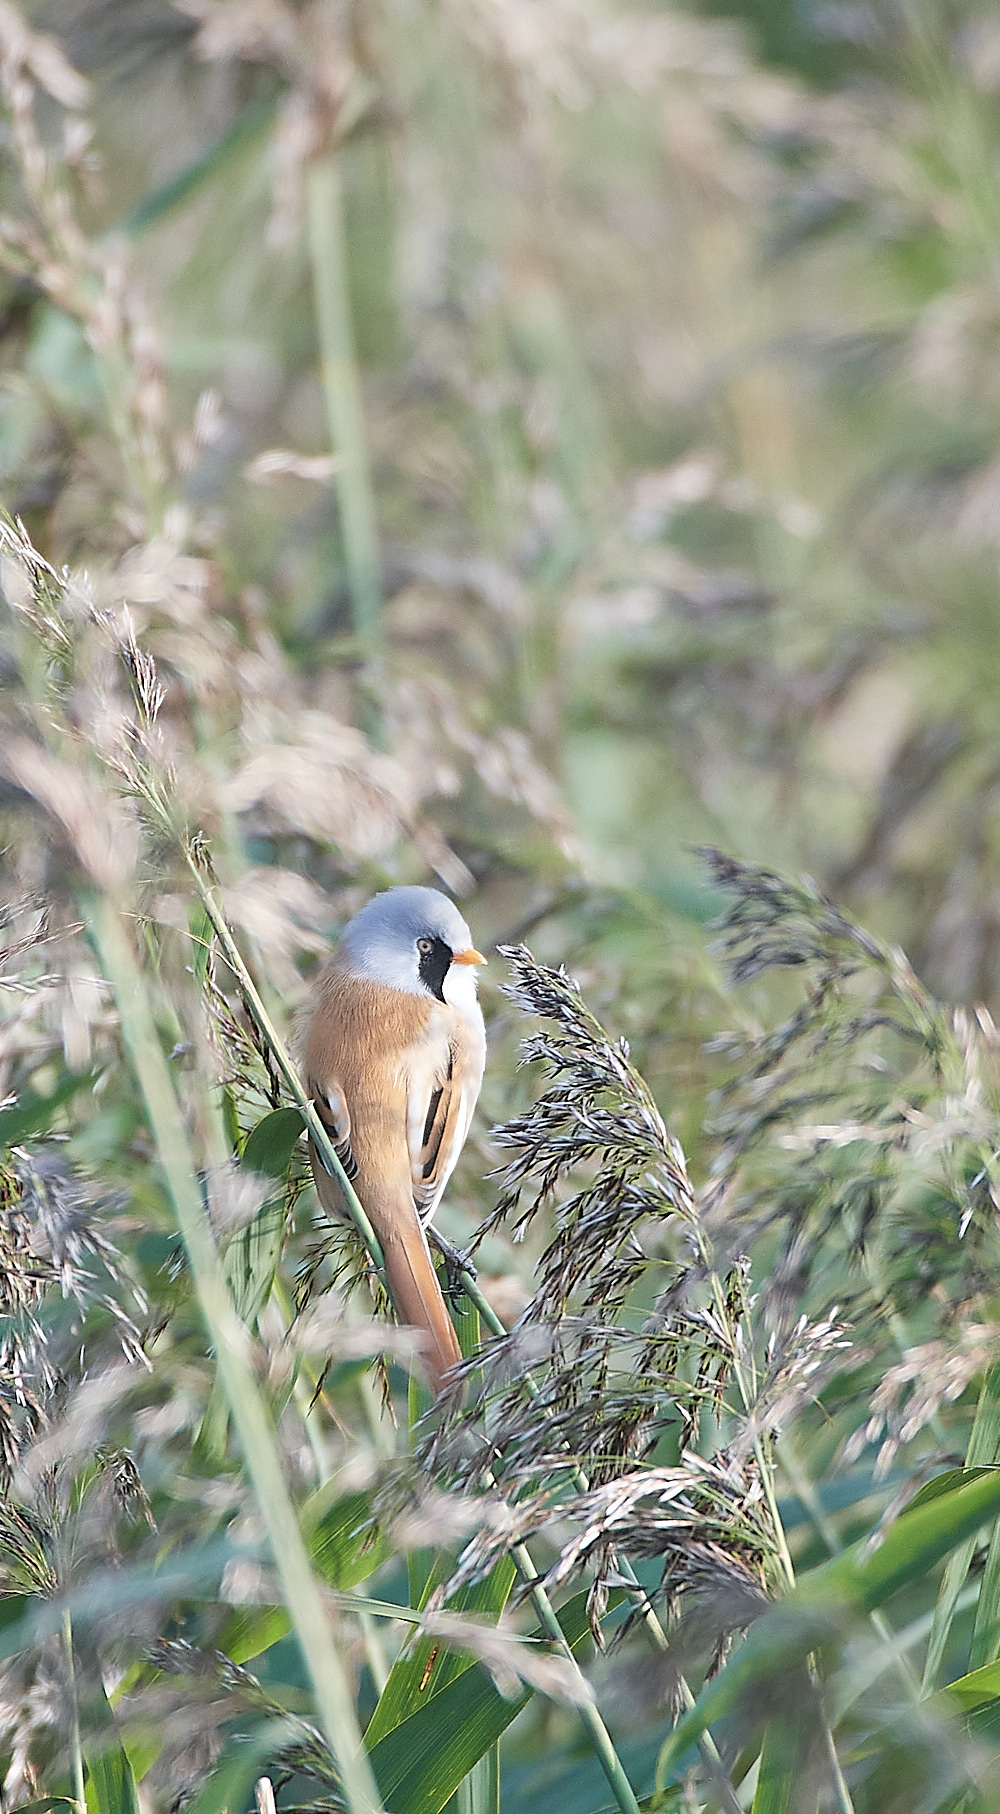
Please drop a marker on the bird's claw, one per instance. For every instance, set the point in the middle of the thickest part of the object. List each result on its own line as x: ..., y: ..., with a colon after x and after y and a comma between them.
x: 456, y: 1261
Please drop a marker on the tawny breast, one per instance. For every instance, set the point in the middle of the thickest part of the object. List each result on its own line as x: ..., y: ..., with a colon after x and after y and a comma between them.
x: 368, y: 1045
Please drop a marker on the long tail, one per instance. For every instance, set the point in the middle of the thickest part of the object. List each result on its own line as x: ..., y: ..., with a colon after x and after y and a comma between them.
x: 409, y: 1269
x: 416, y: 1294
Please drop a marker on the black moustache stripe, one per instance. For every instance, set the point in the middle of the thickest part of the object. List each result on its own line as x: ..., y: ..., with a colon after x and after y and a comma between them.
x: 434, y: 966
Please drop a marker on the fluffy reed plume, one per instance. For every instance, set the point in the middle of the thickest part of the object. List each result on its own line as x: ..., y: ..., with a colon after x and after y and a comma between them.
x: 52, y: 1248
x: 61, y: 1534
x: 868, y: 1114
x: 597, y: 1107
x: 576, y: 1394
x: 703, y: 1520
x: 917, y: 1387
x: 793, y: 1373
x: 215, y: 1691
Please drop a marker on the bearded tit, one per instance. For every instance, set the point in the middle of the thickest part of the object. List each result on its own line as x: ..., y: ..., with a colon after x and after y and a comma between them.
x: 394, y: 1059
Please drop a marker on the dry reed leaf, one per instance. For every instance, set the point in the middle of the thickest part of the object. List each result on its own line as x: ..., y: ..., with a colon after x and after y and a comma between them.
x: 330, y: 785
x: 102, y: 834
x: 283, y: 462
x: 429, y: 1517
x: 39, y: 55
x: 437, y: 853
x: 156, y: 574
x: 511, y: 1660
x: 234, y: 1198
x: 82, y: 1003
x: 286, y: 914
x: 298, y: 136
x: 257, y: 30
x: 325, y: 1329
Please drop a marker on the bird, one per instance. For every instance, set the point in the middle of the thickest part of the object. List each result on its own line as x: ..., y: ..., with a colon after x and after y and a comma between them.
x: 395, y: 1050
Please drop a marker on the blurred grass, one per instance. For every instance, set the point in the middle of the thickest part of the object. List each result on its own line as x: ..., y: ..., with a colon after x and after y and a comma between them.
x: 676, y: 335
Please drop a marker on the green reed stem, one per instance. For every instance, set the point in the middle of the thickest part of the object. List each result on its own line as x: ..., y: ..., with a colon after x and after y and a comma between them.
x: 306, y: 1403
x: 251, y: 994
x: 75, y: 1744
x: 597, y: 1731
x: 589, y: 1715
x: 844, y: 1803
x: 338, y: 364
x: 303, y: 1597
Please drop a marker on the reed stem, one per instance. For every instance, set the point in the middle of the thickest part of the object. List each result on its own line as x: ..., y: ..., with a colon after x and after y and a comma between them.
x: 597, y: 1731
x: 334, y: 1700
x: 338, y: 364
x: 591, y: 1718
x: 75, y: 1744
x: 251, y: 995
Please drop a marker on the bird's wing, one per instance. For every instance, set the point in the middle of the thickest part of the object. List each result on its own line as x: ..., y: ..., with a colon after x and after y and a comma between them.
x: 440, y: 1109
x: 331, y: 1107
x: 365, y: 1048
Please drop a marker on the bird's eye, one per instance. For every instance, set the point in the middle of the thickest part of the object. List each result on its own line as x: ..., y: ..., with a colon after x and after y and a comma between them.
x: 425, y: 945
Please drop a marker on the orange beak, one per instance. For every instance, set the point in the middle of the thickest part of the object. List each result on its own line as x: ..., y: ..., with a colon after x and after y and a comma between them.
x: 470, y: 956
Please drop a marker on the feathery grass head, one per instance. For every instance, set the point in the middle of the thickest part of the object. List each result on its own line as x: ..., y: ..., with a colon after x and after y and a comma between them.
x: 867, y: 1116
x: 588, y: 1390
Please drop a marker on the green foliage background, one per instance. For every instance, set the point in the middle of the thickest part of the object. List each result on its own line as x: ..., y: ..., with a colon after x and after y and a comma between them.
x: 675, y: 337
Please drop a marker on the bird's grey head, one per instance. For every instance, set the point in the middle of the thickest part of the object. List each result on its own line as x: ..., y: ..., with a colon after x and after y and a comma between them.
x: 410, y: 938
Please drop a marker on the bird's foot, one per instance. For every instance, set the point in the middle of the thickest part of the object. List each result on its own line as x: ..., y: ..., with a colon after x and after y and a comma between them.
x: 455, y: 1263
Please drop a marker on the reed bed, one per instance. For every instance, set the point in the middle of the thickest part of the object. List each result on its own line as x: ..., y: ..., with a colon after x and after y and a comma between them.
x: 527, y: 567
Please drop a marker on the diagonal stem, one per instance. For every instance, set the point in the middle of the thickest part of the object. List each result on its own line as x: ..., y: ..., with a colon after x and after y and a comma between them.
x: 596, y: 1729
x: 334, y: 1700
x: 248, y: 988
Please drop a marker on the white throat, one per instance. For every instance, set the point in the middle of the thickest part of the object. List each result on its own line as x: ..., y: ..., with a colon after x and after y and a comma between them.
x: 459, y: 989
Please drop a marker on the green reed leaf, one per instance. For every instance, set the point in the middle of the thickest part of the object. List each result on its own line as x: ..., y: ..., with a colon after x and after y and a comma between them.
x: 110, y: 1783
x: 983, y: 1450
x: 420, y: 1673
x: 48, y: 1804
x: 270, y: 1144
x: 253, y: 1256
x: 809, y: 1616
x: 34, y: 1114
x: 250, y: 1630
x: 343, y: 1543
x: 784, y: 1755
x: 420, y: 1763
